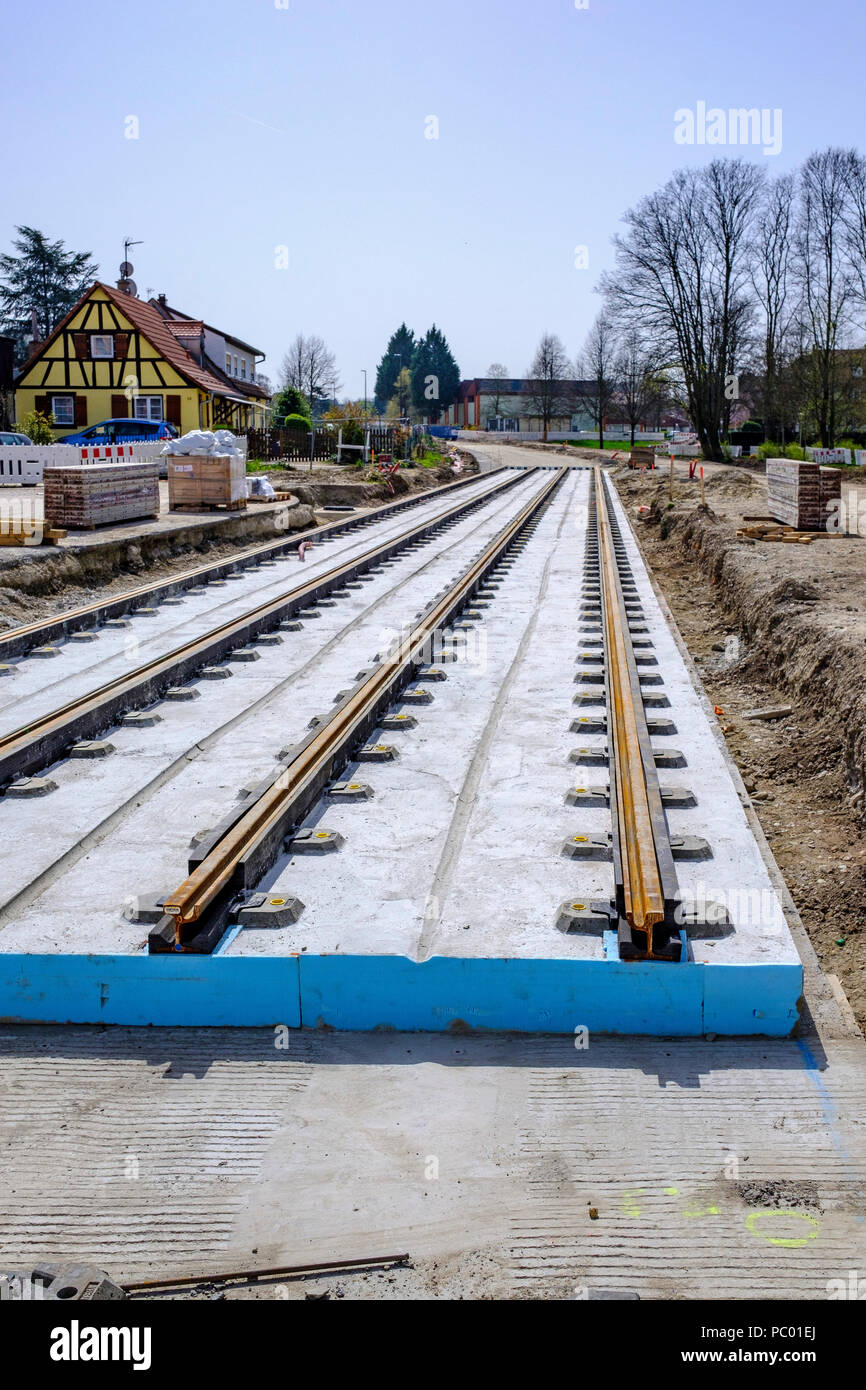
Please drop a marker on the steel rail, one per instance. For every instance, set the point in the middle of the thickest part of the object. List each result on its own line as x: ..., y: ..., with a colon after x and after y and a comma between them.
x: 42, y: 740
x: 17, y: 641
x: 301, y: 779
x: 643, y: 890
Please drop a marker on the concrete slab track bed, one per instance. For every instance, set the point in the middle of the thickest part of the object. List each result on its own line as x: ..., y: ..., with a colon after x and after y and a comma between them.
x: 468, y: 864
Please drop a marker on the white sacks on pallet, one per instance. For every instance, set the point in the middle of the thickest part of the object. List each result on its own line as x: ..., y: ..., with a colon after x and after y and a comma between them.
x: 204, y: 442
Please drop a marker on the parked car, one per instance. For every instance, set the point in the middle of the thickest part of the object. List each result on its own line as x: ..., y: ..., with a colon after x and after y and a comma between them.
x: 10, y: 437
x: 122, y: 432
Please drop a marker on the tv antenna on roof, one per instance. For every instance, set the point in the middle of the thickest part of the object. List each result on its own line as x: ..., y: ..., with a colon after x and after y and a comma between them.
x: 126, y: 283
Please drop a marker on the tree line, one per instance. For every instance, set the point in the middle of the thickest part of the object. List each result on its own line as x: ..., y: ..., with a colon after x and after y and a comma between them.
x: 734, y: 285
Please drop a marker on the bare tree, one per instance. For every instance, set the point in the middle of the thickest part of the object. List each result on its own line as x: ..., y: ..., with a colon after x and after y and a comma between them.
x: 771, y: 281
x: 640, y: 376
x: 682, y: 271
x: 497, y: 375
x: 597, y: 364
x: 826, y: 280
x: 311, y: 367
x: 549, y: 390
x: 855, y: 222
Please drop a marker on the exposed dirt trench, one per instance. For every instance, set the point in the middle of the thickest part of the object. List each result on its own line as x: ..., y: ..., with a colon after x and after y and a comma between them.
x: 770, y: 626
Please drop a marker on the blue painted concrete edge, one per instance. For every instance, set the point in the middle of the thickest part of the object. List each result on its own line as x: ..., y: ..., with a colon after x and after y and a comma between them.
x: 361, y: 993
x: 240, y: 991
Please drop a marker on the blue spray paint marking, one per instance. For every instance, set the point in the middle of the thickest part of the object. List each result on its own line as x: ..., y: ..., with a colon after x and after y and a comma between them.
x: 831, y: 1116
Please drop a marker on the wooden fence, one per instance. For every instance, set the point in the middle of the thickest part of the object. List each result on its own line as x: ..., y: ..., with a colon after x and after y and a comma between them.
x: 291, y: 446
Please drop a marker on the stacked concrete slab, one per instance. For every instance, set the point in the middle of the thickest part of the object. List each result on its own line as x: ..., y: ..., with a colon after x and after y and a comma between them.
x: 87, y: 495
x: 799, y: 494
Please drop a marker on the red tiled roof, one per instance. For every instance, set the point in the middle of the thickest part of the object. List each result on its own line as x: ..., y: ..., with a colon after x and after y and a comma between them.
x: 154, y: 327
x: 184, y: 328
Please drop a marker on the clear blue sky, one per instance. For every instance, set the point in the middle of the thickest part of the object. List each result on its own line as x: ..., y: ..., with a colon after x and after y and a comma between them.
x: 304, y: 127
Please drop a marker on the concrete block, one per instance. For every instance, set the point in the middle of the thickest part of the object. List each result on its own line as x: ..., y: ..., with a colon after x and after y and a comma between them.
x: 215, y: 673
x: 595, y: 846
x: 350, y: 791
x: 91, y: 748
x: 315, y: 842
x: 377, y: 753
x: 270, y: 911
x: 395, y: 722
x: 182, y: 692
x: 245, y: 654
x: 32, y: 786
x: 141, y: 719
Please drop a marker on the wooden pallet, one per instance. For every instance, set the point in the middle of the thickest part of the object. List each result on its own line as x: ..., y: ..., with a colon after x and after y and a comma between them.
x: 786, y: 535
x: 238, y: 506
x: 22, y: 534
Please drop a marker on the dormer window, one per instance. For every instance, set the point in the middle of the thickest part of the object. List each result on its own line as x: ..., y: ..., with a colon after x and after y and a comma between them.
x: 101, y: 345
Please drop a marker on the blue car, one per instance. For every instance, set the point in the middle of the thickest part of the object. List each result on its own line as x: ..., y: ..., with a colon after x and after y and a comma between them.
x: 123, y: 432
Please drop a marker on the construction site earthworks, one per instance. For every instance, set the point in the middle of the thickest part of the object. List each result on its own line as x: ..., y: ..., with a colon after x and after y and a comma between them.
x: 454, y: 894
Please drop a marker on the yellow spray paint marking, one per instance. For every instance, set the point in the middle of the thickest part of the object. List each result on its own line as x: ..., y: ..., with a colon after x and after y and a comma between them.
x: 671, y: 1191
x: 696, y: 1212
x: 789, y: 1242
x: 321, y: 834
x: 627, y: 1205
x: 580, y: 839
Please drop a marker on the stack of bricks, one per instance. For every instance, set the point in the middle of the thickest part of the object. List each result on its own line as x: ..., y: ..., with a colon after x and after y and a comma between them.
x: 90, y: 494
x: 800, y: 494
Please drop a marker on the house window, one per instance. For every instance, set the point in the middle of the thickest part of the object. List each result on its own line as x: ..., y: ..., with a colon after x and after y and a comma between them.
x: 228, y: 364
x: 243, y: 369
x: 236, y: 366
x: 102, y: 345
x: 147, y: 407
x: 63, y: 410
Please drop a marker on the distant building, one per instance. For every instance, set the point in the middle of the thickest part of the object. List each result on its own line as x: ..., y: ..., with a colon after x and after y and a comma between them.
x: 488, y: 403
x: 116, y: 356
x: 230, y: 359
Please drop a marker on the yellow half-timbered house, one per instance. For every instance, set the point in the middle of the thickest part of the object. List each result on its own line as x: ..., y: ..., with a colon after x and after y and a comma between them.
x: 115, y: 356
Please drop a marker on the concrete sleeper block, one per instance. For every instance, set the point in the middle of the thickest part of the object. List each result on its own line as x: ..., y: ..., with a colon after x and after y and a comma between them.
x: 91, y: 748
x: 141, y: 719
x: 32, y: 786
x: 270, y: 911
x: 319, y: 841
